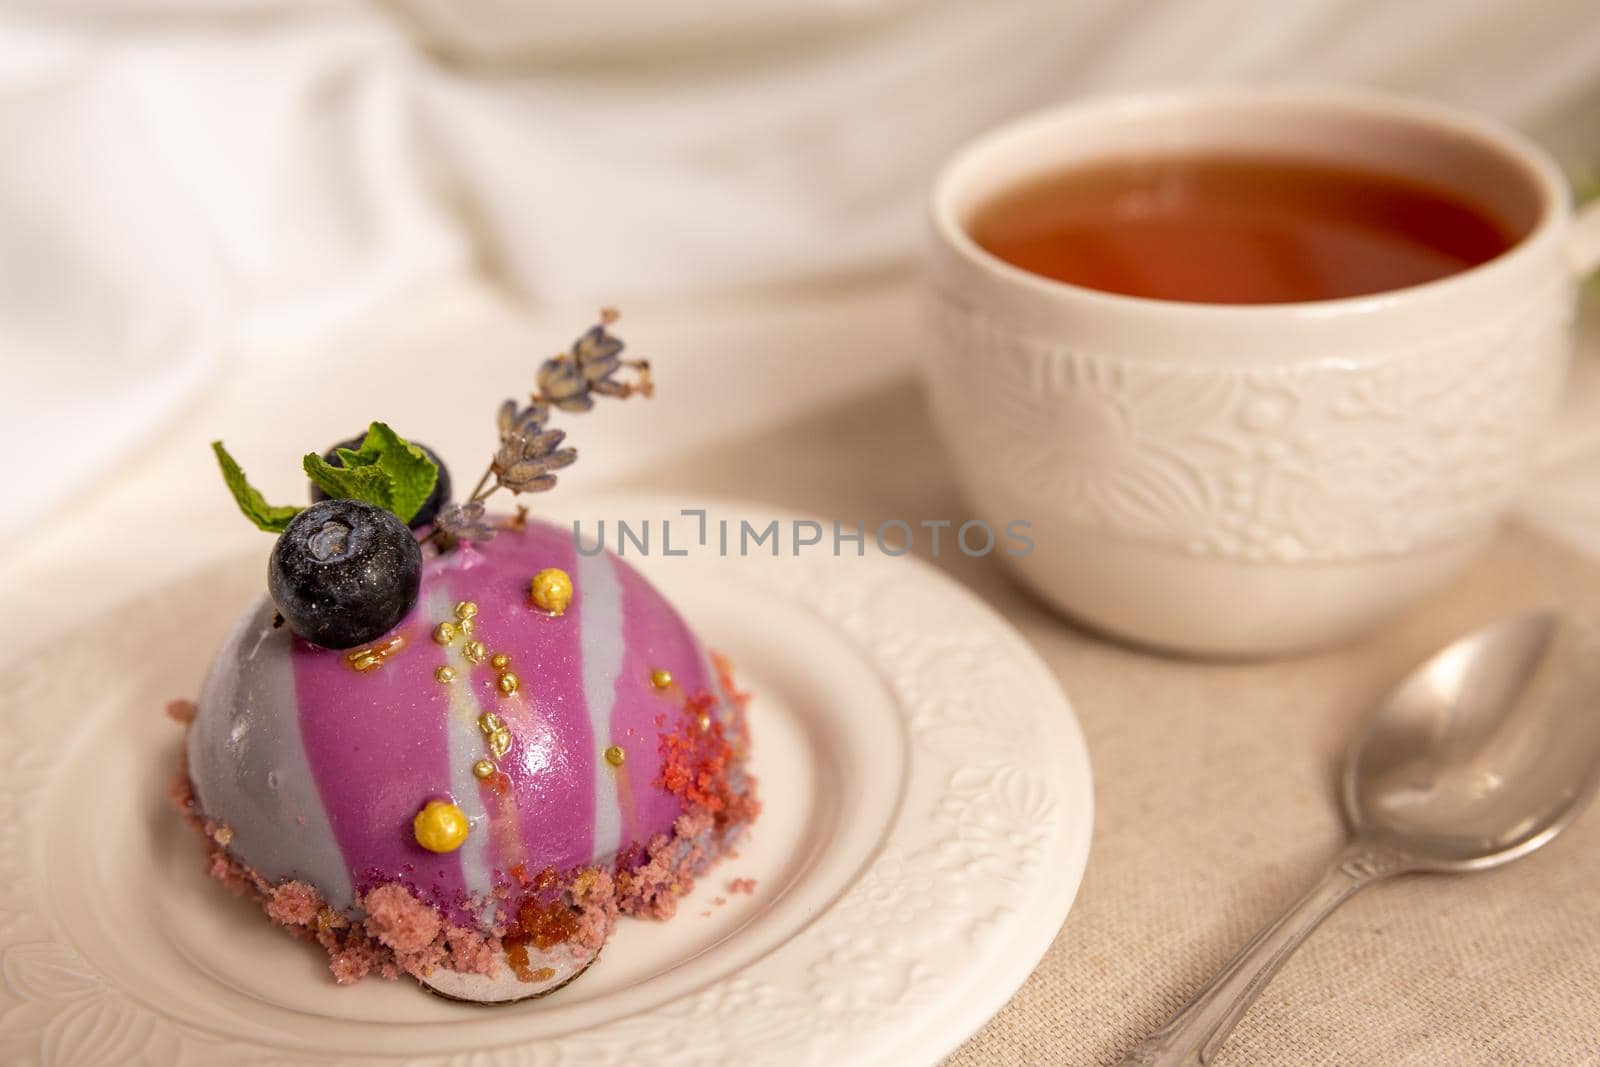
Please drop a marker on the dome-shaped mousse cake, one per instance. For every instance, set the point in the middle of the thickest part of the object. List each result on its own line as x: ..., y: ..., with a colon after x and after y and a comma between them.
x: 473, y: 798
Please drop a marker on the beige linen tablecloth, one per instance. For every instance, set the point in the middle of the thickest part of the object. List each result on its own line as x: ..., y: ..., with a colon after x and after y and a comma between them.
x: 1215, y: 808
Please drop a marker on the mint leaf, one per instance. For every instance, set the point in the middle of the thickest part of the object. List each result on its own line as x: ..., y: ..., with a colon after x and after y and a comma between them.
x: 268, y: 517
x: 412, y: 474
x: 365, y: 482
x: 386, y: 470
x: 356, y: 459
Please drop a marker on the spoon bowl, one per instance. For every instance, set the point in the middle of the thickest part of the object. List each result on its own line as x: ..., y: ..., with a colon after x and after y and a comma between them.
x: 1482, y: 753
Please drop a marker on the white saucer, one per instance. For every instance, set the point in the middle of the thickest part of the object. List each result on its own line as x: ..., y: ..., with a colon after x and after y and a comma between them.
x: 927, y: 819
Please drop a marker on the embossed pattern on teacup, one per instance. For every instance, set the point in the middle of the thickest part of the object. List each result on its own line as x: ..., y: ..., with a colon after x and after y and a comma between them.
x: 1380, y: 454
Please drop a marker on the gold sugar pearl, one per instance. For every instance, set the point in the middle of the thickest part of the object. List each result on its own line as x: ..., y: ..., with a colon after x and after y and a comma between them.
x: 445, y: 675
x: 499, y: 661
x: 440, y: 826
x: 489, y: 722
x: 466, y: 626
x: 660, y: 678
x: 500, y: 743
x: 508, y: 683
x: 444, y: 633
x: 483, y: 769
x: 466, y: 610
x: 551, y: 590
x: 475, y: 651
x: 615, y: 756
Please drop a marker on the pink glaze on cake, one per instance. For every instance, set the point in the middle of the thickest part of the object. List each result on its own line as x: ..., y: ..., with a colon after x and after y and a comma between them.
x: 306, y: 772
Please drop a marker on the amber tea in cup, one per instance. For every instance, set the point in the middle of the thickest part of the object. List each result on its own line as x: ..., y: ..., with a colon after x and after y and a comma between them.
x: 1234, y: 229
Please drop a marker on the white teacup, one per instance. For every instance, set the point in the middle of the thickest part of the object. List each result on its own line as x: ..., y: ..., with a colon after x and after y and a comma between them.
x: 1252, y: 479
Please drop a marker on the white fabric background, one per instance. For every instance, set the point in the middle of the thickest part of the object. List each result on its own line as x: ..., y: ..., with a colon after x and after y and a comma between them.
x: 186, y: 181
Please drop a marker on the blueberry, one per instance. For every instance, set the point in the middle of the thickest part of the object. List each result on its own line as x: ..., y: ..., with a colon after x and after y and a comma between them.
x: 430, y: 507
x: 344, y: 572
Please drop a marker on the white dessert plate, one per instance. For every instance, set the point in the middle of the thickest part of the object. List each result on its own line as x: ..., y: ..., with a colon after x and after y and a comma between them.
x: 927, y: 819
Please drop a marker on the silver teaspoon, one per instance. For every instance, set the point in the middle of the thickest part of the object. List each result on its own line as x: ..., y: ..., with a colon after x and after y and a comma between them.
x: 1483, y: 754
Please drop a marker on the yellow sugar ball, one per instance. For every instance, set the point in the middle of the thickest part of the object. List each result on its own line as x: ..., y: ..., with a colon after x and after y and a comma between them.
x: 440, y: 826
x: 551, y: 590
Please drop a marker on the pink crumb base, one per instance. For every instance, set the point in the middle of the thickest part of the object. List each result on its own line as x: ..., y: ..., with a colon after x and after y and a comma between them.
x: 400, y: 934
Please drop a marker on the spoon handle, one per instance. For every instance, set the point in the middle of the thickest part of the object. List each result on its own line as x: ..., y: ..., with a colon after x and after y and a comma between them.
x: 1193, y: 1036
